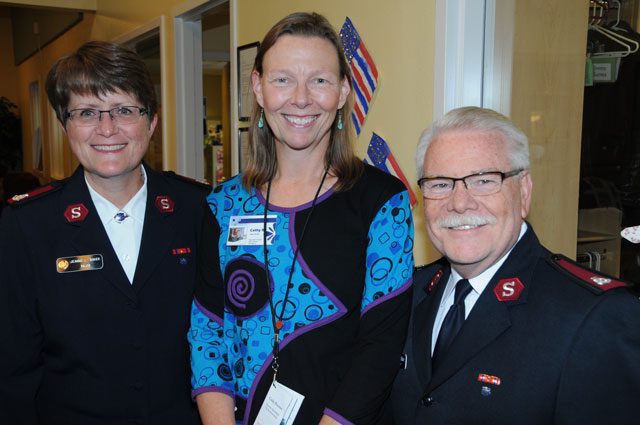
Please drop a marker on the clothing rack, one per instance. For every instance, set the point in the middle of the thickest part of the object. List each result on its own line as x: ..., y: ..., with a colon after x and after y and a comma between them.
x: 592, y: 259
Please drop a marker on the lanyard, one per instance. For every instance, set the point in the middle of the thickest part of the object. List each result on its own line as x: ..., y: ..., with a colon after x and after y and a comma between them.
x: 277, y: 319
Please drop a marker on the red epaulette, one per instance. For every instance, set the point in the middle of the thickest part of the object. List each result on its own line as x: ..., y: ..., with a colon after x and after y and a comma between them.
x: 197, y: 182
x: 597, y: 282
x: 34, y: 194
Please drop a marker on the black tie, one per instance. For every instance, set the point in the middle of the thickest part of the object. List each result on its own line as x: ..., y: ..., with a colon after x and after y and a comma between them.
x: 453, y: 321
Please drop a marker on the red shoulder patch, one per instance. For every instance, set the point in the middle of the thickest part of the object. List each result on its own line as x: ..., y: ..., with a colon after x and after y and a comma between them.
x: 599, y: 281
x: 31, y: 195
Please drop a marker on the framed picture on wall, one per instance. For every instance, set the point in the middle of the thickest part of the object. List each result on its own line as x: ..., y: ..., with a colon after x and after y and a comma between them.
x: 246, y: 57
x: 243, y: 147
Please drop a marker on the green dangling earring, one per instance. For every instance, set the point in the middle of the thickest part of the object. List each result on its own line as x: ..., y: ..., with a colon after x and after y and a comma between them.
x: 261, y: 119
x: 340, y: 119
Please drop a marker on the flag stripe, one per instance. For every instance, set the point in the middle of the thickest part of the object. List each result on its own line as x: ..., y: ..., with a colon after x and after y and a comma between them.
x: 360, y: 114
x: 369, y: 61
x: 361, y: 103
x: 357, y: 109
x: 358, y: 77
x: 364, y: 67
x: 356, y: 124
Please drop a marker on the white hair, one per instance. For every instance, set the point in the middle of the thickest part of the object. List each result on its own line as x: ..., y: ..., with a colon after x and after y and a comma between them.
x: 481, y: 120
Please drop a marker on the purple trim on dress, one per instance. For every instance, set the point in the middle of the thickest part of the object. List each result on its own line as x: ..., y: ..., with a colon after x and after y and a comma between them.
x: 341, y: 311
x: 252, y: 391
x: 306, y: 270
x: 211, y: 389
x: 292, y: 210
x: 207, y: 313
x: 390, y: 295
x: 337, y: 417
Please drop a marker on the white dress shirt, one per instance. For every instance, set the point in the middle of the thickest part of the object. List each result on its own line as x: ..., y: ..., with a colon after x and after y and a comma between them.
x: 125, y: 235
x: 478, y: 284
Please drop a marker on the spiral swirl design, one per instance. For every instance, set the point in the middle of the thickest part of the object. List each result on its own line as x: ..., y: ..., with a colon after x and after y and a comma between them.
x: 240, y: 288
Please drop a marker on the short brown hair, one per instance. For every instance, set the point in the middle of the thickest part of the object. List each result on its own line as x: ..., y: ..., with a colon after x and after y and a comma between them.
x: 98, y: 68
x: 262, y: 162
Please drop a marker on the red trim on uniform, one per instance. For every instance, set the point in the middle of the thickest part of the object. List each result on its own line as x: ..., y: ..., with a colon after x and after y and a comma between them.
x: 33, y: 193
x: 599, y: 281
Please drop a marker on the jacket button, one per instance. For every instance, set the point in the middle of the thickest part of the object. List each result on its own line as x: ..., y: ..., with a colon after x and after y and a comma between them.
x: 426, y: 401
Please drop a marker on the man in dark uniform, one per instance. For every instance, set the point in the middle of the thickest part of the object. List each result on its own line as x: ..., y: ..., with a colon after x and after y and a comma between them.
x: 503, y: 331
x: 98, y: 271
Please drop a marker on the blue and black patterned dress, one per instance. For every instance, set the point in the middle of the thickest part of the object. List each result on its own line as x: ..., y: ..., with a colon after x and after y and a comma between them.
x: 346, y: 316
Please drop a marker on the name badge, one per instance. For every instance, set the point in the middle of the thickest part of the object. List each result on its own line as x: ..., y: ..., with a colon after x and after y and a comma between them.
x: 80, y: 263
x: 280, y: 407
x: 247, y: 230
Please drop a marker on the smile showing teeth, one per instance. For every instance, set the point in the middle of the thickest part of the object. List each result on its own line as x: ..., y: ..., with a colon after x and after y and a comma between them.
x: 299, y: 120
x: 465, y: 227
x: 108, y: 148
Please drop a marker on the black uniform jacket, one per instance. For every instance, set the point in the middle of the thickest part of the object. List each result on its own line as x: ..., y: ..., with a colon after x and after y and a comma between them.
x: 80, y: 344
x: 540, y: 346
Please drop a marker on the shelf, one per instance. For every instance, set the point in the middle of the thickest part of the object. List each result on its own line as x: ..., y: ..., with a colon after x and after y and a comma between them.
x: 589, y: 236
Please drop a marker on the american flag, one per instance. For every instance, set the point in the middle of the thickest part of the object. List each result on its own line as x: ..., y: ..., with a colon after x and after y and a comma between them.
x: 363, y: 70
x: 380, y: 156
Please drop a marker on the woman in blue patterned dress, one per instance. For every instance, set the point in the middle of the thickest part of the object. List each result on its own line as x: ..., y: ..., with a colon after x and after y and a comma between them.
x: 312, y: 291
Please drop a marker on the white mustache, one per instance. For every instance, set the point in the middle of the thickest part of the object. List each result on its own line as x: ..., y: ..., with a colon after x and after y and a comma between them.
x: 466, y: 220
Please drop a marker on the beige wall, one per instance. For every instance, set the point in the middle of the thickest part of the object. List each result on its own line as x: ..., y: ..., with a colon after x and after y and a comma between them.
x: 547, y: 92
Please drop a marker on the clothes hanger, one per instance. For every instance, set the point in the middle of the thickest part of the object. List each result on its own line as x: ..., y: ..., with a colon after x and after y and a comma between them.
x: 619, y: 6
x: 597, y: 18
x: 634, y: 45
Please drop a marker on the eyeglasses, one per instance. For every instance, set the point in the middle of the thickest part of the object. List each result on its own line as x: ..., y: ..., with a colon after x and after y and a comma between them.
x: 480, y: 184
x: 89, y: 117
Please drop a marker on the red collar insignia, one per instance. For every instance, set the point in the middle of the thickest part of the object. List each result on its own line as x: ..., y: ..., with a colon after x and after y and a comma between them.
x: 165, y: 204
x: 508, y: 289
x: 76, y: 212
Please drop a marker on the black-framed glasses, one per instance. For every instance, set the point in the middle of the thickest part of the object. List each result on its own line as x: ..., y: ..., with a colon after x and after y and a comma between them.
x: 89, y: 117
x: 479, y: 184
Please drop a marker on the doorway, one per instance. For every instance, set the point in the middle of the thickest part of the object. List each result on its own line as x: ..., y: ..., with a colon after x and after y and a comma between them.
x: 204, y: 92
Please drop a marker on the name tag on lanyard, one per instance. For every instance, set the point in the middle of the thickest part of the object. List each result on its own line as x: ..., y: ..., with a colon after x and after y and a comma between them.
x: 280, y: 406
x: 248, y: 230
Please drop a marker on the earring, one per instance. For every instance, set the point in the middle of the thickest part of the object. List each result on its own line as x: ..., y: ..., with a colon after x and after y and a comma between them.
x: 340, y: 119
x: 261, y: 119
